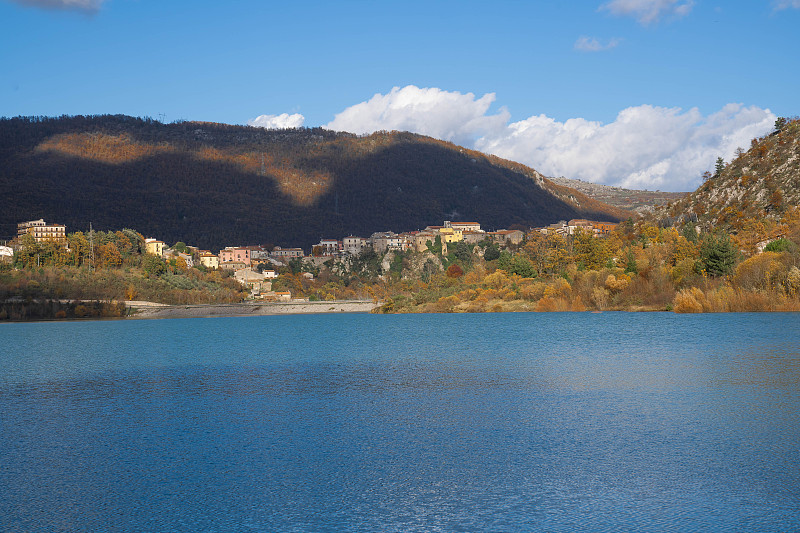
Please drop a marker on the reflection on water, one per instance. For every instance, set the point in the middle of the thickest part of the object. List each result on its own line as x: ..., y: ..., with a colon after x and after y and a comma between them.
x: 403, y: 423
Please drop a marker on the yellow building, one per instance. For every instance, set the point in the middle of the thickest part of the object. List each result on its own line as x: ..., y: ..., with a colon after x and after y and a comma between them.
x: 154, y: 246
x: 451, y: 235
x: 209, y: 260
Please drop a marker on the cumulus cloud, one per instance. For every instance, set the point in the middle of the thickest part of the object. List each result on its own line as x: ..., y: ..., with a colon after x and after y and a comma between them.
x: 590, y: 44
x: 79, y: 5
x: 451, y: 116
x: 649, y: 11
x: 644, y: 147
x: 277, y: 122
x: 786, y: 4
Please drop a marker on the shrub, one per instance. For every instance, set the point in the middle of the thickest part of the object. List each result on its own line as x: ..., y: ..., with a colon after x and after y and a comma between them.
x: 454, y: 271
x: 550, y: 304
x: 765, y: 271
x: 686, y: 301
x: 560, y: 288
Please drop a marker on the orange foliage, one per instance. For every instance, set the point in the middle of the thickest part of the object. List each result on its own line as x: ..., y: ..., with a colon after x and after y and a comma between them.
x: 303, y: 187
x: 113, y: 149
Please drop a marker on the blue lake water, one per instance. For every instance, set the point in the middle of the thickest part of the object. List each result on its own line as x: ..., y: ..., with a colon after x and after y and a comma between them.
x: 490, y: 422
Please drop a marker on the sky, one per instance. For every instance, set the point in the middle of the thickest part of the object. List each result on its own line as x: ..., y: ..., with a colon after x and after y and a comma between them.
x: 635, y: 93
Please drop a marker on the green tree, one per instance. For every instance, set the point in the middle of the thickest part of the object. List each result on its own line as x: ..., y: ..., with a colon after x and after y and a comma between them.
x: 153, y: 265
x: 630, y: 263
x: 180, y: 247
x: 522, y: 266
x: 689, y: 232
x: 780, y: 122
x: 492, y: 252
x: 504, y: 261
x: 719, y: 167
x: 463, y: 253
x: 717, y: 254
x: 435, y: 246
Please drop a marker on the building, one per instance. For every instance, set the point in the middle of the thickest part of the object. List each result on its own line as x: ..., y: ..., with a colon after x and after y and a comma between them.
x: 382, y: 241
x: 209, y: 260
x: 235, y: 254
x: 187, y: 258
x: 464, y: 226
x: 505, y: 237
x: 601, y: 229
x: 421, y: 239
x: 353, y: 245
x: 42, y: 231
x: 328, y: 248
x: 473, y: 237
x: 561, y: 228
x: 6, y: 254
x: 233, y: 265
x: 447, y: 232
x: 253, y: 281
x: 154, y: 246
x: 286, y: 253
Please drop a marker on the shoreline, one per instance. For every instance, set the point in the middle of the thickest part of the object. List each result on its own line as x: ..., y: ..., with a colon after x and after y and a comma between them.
x: 142, y: 311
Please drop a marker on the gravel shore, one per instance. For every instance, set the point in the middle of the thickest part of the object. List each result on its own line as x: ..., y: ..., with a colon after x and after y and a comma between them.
x: 143, y: 310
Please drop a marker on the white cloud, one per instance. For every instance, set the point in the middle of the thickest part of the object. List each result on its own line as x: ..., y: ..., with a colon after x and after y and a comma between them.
x: 277, y: 122
x: 590, y: 44
x: 452, y: 116
x: 648, y: 11
x: 786, y: 4
x: 644, y: 147
x: 80, y: 5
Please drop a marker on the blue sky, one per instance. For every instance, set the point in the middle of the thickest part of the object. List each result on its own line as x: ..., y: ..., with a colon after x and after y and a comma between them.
x: 584, y: 89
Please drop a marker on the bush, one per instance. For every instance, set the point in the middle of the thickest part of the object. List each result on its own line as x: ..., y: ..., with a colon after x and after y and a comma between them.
x: 686, y: 301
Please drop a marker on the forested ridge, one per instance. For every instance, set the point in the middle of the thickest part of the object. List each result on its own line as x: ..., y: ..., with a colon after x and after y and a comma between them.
x: 214, y: 185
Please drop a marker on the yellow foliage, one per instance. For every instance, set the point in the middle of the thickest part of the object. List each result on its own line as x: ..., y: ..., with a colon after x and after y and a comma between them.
x: 686, y: 301
x: 617, y: 284
x: 468, y: 294
x: 533, y: 291
x: 793, y: 282
x: 600, y: 297
x: 130, y: 293
x: 549, y: 304
x: 577, y: 305
x: 682, y: 269
x: 560, y: 288
x: 497, y: 280
x: 474, y: 276
x: 768, y: 271
x: 488, y: 294
x: 508, y: 295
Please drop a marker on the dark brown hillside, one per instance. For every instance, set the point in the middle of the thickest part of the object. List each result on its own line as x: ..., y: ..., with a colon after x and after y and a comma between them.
x: 214, y: 185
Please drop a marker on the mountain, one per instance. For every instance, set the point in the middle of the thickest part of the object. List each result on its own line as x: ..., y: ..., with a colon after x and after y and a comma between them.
x: 213, y: 185
x: 761, y: 183
x: 641, y: 202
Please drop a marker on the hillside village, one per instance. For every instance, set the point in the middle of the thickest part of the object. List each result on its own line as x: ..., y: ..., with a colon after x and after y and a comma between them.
x: 256, y: 267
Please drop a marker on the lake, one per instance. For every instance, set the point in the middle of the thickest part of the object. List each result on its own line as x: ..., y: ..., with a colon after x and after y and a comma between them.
x: 480, y: 422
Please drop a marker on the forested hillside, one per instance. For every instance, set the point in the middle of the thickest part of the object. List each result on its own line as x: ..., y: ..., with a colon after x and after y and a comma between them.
x: 214, y: 185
